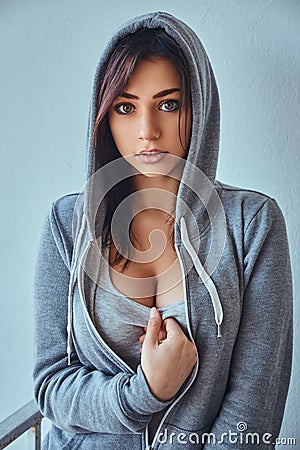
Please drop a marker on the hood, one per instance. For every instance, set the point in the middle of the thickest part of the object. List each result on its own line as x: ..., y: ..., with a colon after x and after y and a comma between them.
x: 204, y: 147
x: 196, y: 190
x: 205, y: 132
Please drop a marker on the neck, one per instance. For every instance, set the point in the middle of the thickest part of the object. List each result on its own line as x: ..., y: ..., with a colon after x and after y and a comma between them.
x: 158, y: 192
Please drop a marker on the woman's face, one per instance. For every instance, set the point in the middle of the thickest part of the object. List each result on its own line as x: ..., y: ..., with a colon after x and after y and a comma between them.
x: 144, y: 119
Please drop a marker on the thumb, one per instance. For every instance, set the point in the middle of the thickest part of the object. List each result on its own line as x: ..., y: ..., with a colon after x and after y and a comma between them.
x: 153, y: 327
x: 172, y: 327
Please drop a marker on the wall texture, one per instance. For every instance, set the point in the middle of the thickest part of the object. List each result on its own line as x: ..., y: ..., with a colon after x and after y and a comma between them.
x: 48, y: 55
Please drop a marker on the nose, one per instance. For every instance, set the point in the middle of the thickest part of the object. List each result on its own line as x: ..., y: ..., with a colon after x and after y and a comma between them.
x: 149, y: 129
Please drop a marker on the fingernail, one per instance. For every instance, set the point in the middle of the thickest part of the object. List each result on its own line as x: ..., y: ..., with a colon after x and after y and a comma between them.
x: 153, y: 312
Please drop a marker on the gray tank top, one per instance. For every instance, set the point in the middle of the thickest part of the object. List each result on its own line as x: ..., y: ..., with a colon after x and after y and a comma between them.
x: 121, y: 321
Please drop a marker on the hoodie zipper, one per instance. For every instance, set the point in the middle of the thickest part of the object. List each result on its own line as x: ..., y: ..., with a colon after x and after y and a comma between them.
x: 216, y: 303
x: 195, y: 370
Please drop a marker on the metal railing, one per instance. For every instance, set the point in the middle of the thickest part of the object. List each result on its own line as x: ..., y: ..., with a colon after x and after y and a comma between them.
x: 28, y: 418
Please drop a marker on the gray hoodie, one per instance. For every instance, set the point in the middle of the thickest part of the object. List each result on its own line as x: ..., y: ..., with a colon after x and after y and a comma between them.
x: 233, y: 252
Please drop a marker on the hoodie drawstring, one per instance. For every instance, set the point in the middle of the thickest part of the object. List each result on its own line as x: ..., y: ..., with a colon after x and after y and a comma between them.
x: 76, y: 252
x: 208, y: 283
x: 70, y: 315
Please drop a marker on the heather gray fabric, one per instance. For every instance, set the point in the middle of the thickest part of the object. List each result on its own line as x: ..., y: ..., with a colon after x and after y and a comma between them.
x: 121, y: 321
x: 98, y: 401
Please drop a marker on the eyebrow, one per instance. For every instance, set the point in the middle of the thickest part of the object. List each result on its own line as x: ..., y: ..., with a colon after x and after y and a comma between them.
x: 158, y: 95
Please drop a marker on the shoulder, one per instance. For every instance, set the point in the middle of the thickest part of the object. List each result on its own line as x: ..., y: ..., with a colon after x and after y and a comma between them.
x: 63, y: 209
x: 239, y: 195
x: 64, y: 206
x: 60, y: 222
x: 248, y: 204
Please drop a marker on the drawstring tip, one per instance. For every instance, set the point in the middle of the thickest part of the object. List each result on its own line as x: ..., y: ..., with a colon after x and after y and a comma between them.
x: 219, y: 330
x: 69, y: 351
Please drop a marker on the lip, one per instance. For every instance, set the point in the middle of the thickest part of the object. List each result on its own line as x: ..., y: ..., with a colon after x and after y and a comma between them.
x: 151, y: 150
x: 151, y: 156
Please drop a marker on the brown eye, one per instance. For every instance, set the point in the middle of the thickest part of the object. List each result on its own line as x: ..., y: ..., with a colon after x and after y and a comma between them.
x: 124, y: 108
x: 169, y: 105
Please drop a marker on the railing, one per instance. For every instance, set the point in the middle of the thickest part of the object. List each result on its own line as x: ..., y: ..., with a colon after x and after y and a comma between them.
x: 28, y: 418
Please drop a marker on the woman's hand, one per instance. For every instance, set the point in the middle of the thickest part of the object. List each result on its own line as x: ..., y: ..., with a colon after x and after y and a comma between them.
x: 168, y: 356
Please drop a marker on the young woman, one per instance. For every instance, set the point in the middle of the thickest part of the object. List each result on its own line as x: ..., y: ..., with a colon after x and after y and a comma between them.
x: 163, y: 297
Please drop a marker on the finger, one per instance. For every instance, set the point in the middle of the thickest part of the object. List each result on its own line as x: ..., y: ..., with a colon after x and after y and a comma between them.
x: 142, y: 338
x: 153, y: 328
x: 172, y: 328
x: 162, y: 335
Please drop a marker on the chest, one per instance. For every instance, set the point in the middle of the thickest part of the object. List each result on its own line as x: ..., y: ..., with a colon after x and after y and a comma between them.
x: 153, y: 275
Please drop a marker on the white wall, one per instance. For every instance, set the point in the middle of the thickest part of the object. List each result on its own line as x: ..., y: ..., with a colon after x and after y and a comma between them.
x: 48, y: 55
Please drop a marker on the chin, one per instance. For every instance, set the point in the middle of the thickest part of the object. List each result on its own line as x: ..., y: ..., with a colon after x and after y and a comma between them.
x: 152, y: 174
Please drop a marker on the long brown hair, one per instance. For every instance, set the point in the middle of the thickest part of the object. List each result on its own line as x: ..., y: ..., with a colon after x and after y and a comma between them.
x: 142, y: 45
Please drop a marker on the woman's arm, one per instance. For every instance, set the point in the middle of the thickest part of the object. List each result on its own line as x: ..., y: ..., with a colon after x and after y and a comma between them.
x: 77, y: 398
x: 261, y: 362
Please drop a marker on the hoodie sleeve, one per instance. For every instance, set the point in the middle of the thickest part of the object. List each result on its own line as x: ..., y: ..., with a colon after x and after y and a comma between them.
x: 259, y: 377
x: 77, y: 398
